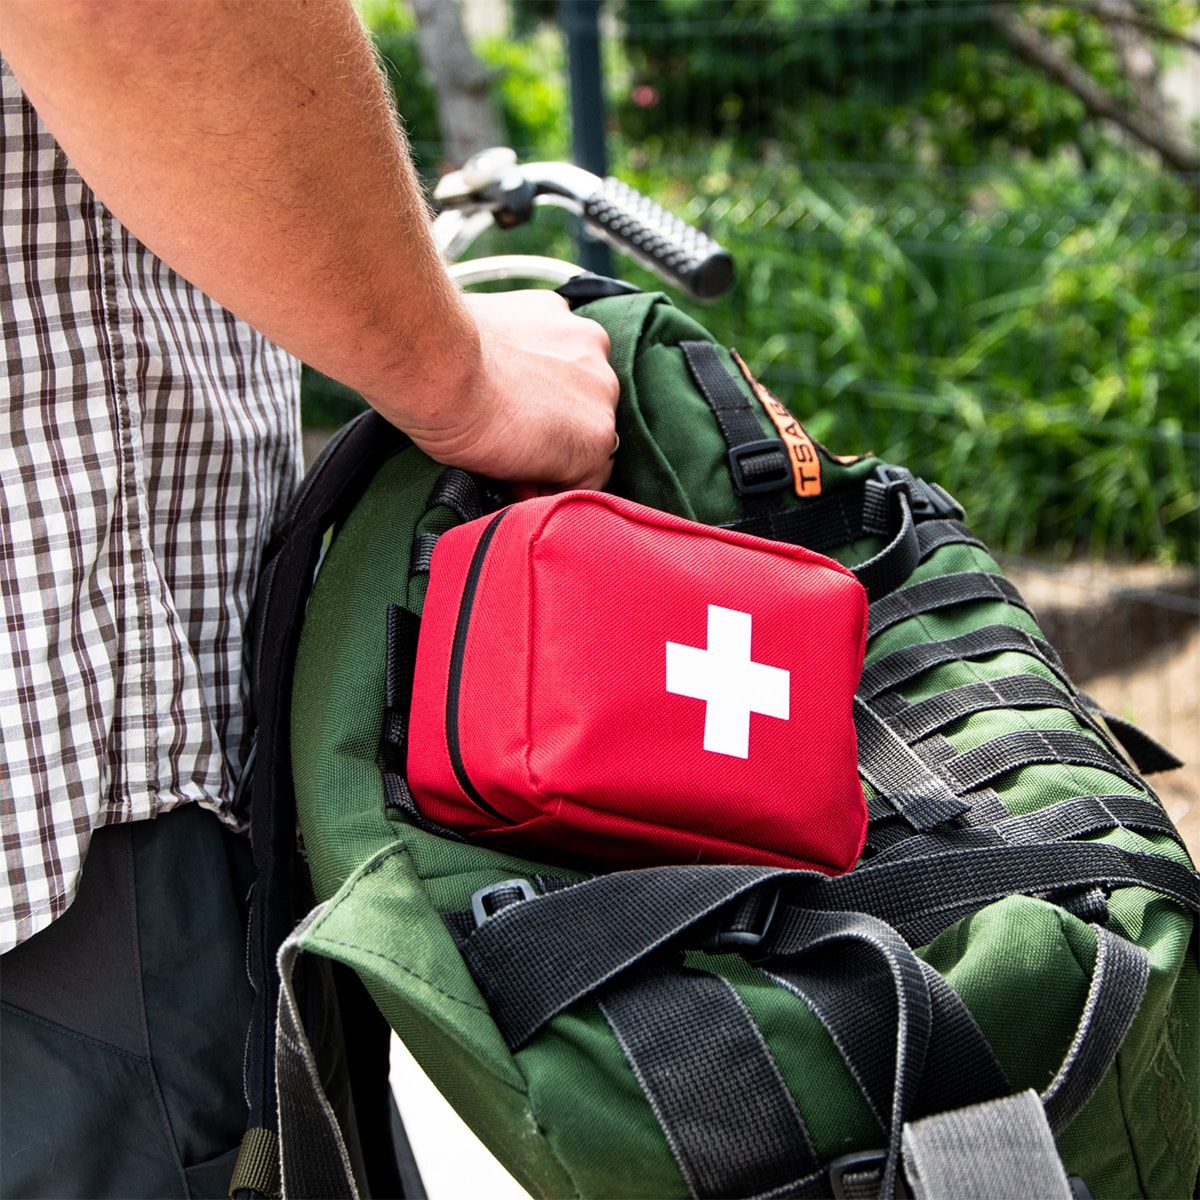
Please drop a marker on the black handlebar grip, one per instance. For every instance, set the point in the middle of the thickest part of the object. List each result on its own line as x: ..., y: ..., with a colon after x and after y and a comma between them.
x: 668, y: 245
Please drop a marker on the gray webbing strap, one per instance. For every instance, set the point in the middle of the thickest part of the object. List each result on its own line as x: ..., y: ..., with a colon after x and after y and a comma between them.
x: 923, y: 798
x: 313, y: 1157
x: 1119, y: 981
x: 705, y: 1069
x: 1000, y: 1148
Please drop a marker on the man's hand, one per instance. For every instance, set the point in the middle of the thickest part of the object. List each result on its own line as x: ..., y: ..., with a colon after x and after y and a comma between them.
x: 540, y: 406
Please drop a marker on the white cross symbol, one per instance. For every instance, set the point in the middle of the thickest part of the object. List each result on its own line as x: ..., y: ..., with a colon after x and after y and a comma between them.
x: 726, y: 678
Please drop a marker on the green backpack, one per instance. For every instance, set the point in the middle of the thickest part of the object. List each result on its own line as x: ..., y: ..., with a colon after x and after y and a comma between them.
x: 1003, y: 993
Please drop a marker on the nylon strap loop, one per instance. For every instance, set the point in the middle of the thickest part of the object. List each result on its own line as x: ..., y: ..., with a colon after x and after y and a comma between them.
x: 257, y: 1167
x: 1119, y: 981
x: 457, y: 491
x: 911, y: 787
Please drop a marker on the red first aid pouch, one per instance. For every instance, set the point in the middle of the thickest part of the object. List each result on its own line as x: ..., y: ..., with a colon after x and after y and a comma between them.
x: 603, y: 684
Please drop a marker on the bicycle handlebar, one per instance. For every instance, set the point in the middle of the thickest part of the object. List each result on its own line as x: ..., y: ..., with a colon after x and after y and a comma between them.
x: 492, y: 183
x: 660, y: 240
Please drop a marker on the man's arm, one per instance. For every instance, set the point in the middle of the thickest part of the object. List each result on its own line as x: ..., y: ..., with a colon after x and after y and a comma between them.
x: 250, y: 145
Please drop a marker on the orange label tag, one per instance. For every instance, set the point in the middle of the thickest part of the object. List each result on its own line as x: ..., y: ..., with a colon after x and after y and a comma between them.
x: 802, y: 450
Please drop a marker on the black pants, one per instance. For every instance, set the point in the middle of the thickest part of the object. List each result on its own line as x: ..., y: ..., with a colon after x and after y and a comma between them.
x: 123, y: 1025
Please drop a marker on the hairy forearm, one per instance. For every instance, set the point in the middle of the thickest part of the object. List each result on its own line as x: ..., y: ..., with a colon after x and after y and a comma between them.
x: 249, y: 143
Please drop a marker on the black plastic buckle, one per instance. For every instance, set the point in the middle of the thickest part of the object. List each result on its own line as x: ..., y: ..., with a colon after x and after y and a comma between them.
x: 925, y: 500
x: 741, y: 927
x: 771, y: 481
x: 488, y: 901
x: 854, y: 1176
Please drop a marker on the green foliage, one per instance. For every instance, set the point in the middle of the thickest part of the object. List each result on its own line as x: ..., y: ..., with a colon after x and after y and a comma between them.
x: 929, y: 81
x: 530, y: 84
x: 532, y: 91
x: 1036, y: 349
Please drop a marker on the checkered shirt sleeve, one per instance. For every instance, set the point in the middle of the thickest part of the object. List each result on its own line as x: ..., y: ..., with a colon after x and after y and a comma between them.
x: 148, y: 440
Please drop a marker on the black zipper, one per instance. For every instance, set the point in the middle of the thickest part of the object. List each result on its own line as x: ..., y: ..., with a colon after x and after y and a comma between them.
x: 456, y: 659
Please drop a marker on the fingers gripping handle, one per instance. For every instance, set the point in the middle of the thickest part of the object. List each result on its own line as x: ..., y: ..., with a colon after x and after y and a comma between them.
x: 664, y: 243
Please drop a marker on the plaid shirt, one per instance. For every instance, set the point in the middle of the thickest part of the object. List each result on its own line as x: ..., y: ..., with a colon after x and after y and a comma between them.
x: 147, y: 441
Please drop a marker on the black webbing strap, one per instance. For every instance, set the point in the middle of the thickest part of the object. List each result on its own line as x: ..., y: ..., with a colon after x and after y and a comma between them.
x: 1029, y: 747
x: 1082, y: 816
x: 707, y: 1073
x: 887, y: 570
x: 330, y: 489
x: 314, y: 1158
x: 944, y: 591
x: 872, y: 969
x: 422, y: 553
x: 758, y: 464
x: 905, y: 664
x: 403, y: 628
x: 924, y: 894
x: 526, y: 958
x: 915, y: 721
x: 960, y: 1066
x: 1119, y: 981
x: 921, y: 796
x: 819, y: 524
x: 874, y: 510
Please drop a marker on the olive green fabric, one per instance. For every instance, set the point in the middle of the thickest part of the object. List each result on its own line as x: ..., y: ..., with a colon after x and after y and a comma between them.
x: 566, y: 1114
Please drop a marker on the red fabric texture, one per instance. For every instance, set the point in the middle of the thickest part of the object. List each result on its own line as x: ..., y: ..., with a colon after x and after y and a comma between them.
x: 595, y: 743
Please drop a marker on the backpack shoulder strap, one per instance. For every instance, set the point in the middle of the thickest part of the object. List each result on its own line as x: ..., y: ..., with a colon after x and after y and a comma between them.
x: 328, y: 492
